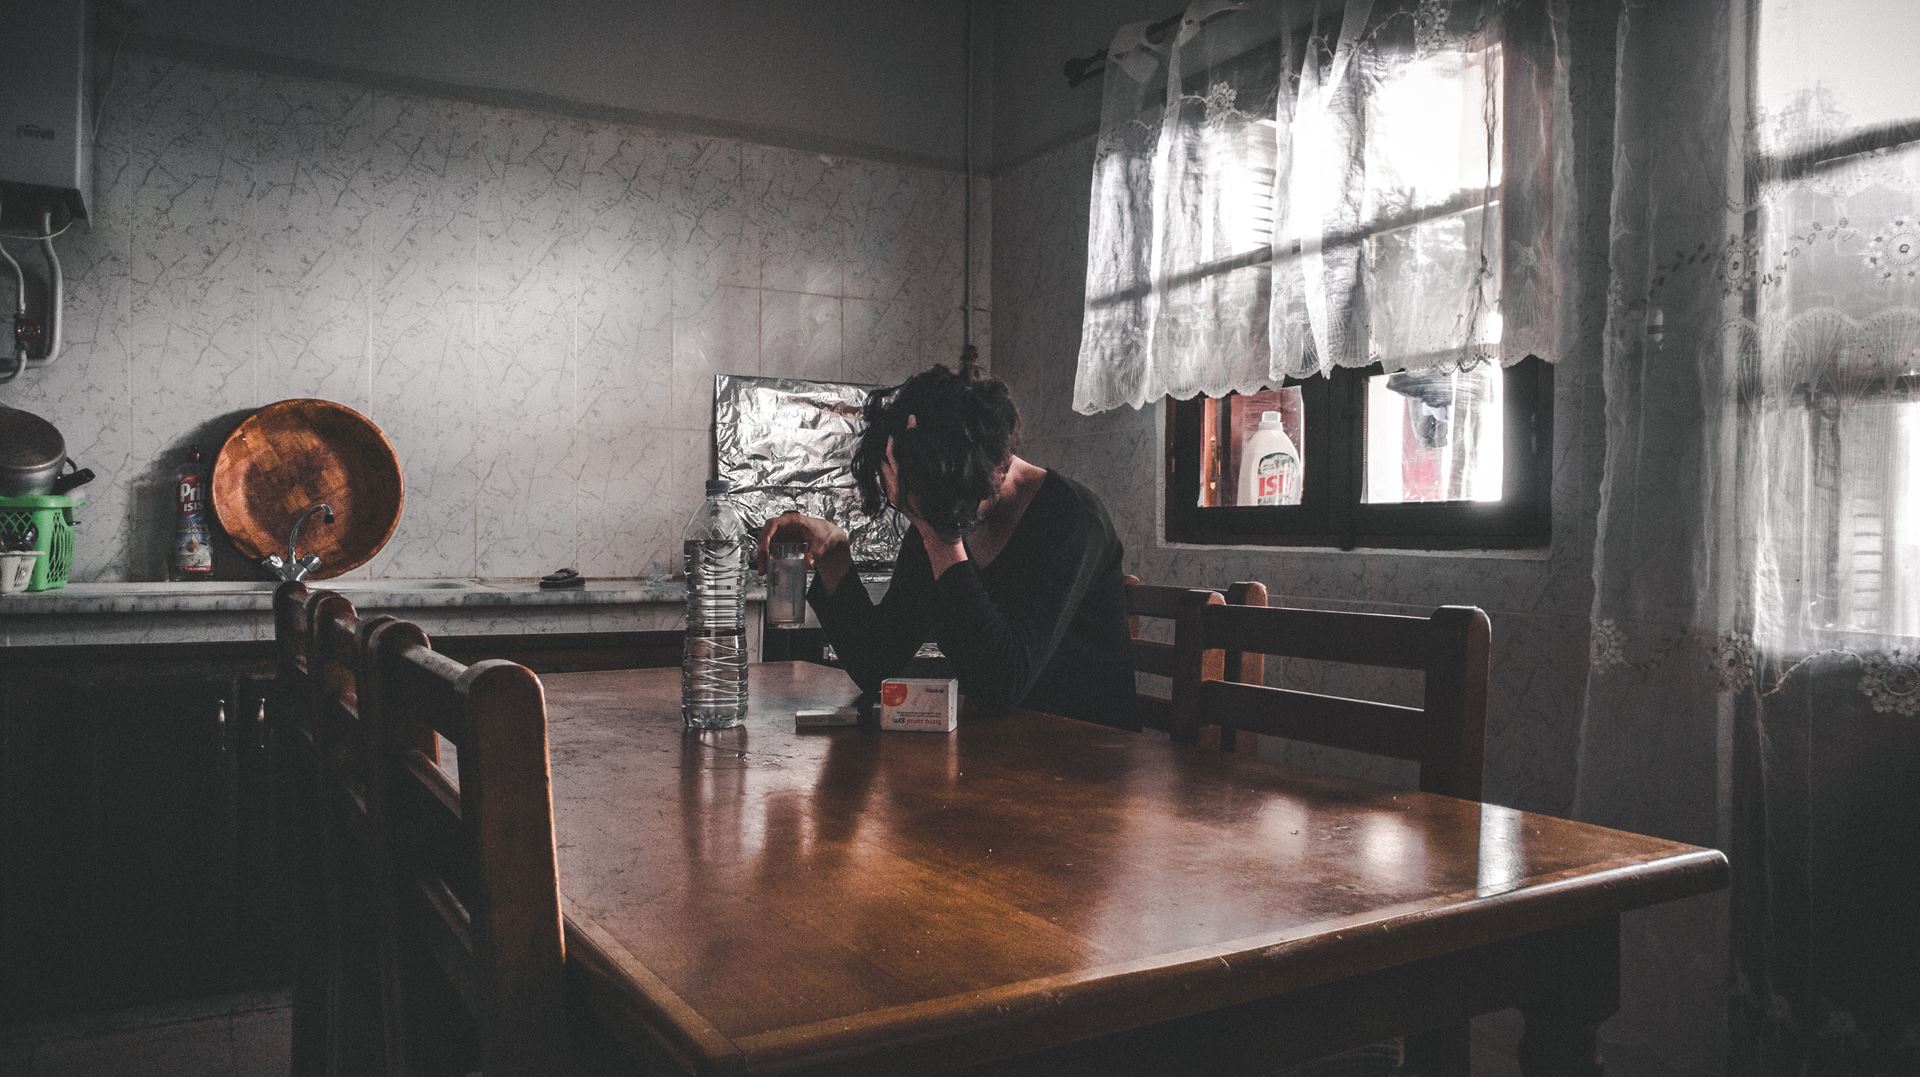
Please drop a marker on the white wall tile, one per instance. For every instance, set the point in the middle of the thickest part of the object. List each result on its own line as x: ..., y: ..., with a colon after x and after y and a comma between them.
x: 719, y: 334
x: 881, y: 340
x: 800, y: 335
x: 532, y: 307
x: 798, y: 202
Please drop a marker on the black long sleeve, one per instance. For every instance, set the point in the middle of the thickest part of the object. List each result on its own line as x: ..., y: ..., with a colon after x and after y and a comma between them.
x: 1044, y: 625
x: 875, y: 642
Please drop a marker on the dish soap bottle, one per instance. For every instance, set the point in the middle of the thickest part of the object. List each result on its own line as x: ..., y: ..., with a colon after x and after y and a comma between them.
x: 1269, y: 465
x: 192, y: 546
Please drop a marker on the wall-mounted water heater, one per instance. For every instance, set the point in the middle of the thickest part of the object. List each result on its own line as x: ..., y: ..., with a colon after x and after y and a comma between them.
x: 46, y: 128
x: 46, y: 160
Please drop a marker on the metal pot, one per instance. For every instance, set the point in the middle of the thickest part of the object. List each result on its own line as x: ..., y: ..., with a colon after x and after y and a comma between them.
x: 33, y: 456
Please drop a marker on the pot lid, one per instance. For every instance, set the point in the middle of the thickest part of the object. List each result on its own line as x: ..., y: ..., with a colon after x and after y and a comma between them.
x: 29, y: 445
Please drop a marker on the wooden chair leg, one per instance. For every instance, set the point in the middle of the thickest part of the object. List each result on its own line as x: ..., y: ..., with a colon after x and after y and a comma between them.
x: 1440, y: 1052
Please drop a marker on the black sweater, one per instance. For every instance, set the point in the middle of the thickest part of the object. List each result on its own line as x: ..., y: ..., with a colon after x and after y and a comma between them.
x: 1043, y: 626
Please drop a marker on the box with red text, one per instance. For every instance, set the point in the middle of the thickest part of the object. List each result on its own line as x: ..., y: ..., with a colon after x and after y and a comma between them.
x: 920, y: 704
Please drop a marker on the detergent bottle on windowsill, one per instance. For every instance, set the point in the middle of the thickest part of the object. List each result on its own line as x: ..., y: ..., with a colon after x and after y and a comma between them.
x: 1269, y: 465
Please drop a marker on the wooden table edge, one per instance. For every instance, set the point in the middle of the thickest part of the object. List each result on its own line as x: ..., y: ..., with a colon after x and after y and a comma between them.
x: 630, y: 997
x: 1238, y: 970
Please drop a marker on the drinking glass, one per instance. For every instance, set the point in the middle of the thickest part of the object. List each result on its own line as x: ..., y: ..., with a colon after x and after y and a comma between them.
x: 787, y: 584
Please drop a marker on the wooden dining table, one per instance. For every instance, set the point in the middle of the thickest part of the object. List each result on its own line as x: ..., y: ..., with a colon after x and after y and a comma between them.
x: 1036, y: 894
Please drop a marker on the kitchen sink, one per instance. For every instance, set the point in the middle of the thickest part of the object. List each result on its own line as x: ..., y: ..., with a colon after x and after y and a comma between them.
x: 198, y: 587
x: 248, y: 587
x: 397, y: 585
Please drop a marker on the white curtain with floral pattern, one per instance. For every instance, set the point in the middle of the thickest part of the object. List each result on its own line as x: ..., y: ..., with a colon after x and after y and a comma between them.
x: 1755, y: 681
x: 1285, y: 186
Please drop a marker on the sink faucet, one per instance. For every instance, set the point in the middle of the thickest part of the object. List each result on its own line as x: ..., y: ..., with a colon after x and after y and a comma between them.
x: 294, y: 566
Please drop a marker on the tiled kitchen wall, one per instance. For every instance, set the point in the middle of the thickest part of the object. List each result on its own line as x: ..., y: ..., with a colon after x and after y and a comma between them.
x: 1538, y: 600
x: 532, y: 306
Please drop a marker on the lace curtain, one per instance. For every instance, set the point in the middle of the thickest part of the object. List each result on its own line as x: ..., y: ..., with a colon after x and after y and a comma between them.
x: 1754, y: 681
x: 1280, y: 188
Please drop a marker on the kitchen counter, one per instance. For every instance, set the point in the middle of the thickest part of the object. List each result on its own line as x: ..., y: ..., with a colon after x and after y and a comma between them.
x: 235, y: 596
x: 234, y: 610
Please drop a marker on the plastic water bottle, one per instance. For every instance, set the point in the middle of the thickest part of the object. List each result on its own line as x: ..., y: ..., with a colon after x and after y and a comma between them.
x: 713, y: 669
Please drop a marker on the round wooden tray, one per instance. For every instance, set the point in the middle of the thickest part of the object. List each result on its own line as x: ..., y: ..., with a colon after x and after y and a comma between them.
x: 297, y: 453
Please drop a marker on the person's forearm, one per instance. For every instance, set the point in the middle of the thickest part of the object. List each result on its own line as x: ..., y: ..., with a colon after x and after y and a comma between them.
x: 873, y: 642
x: 834, y: 565
x: 941, y: 554
x: 944, y: 557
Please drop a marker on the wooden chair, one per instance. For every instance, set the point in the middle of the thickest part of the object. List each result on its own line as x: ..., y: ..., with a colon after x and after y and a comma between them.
x: 338, y: 1009
x: 475, y: 920
x: 1445, y: 735
x: 1155, y: 657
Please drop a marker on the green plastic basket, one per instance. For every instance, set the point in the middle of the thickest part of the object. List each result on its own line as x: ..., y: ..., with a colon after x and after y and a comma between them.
x: 51, y: 517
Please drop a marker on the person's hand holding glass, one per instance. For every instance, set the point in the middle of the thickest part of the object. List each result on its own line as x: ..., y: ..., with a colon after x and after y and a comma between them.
x: 790, y: 544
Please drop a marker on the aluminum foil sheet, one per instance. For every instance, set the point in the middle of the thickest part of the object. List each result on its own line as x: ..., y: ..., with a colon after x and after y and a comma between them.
x: 788, y: 444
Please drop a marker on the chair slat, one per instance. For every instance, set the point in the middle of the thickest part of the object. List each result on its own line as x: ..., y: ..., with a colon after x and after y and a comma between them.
x: 1357, y: 725
x: 423, y: 685
x: 1446, y: 735
x: 1152, y: 656
x: 443, y: 925
x: 1365, y: 639
x: 423, y: 817
x: 1153, y: 600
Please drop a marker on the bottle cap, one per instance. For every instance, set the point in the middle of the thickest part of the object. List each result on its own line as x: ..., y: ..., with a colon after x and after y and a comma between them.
x: 716, y: 487
x: 1269, y: 419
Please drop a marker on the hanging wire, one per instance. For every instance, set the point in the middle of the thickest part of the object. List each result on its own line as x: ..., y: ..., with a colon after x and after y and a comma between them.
x: 969, y: 355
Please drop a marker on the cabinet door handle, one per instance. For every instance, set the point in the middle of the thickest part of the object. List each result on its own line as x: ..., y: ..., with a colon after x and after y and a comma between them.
x: 220, y: 723
x: 260, y: 725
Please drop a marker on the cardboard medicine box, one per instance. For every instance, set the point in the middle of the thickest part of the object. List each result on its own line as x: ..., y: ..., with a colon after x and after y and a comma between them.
x: 920, y: 704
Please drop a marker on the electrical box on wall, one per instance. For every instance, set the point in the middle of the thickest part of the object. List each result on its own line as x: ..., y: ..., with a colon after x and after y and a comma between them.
x: 46, y: 119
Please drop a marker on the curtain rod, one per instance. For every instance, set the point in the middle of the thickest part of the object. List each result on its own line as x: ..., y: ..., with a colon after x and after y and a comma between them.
x: 1081, y: 69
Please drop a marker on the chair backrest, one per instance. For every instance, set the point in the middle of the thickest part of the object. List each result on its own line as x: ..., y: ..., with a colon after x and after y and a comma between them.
x: 1446, y: 735
x: 339, y: 1024
x: 1160, y: 602
x: 473, y: 864
x: 290, y: 624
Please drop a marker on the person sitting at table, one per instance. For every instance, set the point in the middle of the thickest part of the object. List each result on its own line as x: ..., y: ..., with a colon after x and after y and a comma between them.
x: 1013, y: 569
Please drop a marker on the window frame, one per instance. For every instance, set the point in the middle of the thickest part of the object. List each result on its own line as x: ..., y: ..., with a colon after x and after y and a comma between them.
x: 1332, y: 513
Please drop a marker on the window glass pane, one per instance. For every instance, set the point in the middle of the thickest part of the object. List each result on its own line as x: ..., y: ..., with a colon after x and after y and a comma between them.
x: 1423, y: 276
x: 1858, y: 525
x: 1247, y: 459
x: 1827, y: 68
x: 1435, y: 436
x: 1427, y: 132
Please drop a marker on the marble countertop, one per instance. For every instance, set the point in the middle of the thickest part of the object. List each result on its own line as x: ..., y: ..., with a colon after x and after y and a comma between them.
x: 247, y: 596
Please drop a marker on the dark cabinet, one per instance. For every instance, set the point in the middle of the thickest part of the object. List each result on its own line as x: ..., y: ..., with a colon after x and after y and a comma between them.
x: 155, y: 836
x: 137, y: 807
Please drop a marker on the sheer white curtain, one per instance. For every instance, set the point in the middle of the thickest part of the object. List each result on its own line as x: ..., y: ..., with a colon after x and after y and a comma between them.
x: 1754, y: 683
x: 1284, y: 186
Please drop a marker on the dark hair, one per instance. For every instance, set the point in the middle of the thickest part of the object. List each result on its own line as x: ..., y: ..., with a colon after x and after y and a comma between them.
x: 964, y: 432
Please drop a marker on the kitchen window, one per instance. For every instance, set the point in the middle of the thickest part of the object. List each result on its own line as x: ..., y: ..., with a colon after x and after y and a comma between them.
x: 1821, y: 275
x: 1439, y: 456
x: 1433, y: 459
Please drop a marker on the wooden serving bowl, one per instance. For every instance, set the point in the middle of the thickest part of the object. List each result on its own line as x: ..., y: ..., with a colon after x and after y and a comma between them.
x: 297, y: 453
